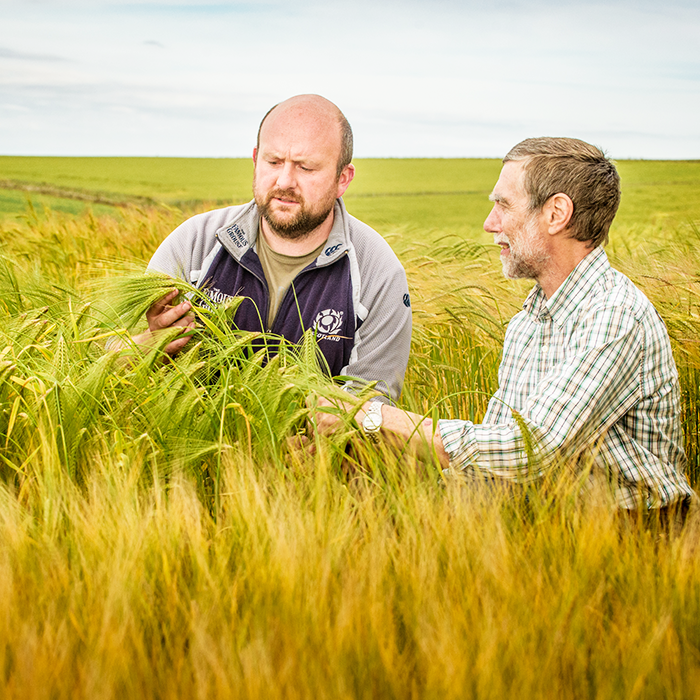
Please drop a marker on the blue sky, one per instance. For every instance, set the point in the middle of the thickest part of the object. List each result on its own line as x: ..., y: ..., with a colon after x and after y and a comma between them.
x: 415, y: 78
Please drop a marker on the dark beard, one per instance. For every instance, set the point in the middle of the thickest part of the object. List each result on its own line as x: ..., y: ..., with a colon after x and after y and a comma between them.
x: 298, y: 227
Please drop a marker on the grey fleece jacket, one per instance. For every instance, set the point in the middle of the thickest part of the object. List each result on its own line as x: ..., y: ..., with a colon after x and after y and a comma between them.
x: 354, y: 294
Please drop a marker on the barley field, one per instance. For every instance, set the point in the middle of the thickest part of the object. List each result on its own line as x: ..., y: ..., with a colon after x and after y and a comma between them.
x: 163, y: 536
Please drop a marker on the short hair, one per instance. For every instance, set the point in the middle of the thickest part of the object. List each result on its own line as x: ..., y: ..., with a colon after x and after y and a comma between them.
x: 346, y: 139
x: 577, y: 169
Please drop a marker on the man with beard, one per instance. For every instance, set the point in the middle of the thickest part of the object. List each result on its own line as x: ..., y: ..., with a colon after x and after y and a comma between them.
x: 296, y: 255
x: 587, y: 375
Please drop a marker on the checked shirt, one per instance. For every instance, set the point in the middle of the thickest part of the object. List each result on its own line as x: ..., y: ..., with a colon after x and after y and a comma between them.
x: 589, y: 371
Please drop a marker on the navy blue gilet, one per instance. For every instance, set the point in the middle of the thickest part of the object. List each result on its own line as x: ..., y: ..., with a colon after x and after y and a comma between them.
x: 320, y: 298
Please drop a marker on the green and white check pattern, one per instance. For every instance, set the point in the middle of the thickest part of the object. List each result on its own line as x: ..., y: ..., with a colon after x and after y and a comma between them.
x: 589, y: 371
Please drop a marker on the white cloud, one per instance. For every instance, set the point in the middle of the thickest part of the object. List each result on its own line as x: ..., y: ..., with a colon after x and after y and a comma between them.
x: 443, y: 78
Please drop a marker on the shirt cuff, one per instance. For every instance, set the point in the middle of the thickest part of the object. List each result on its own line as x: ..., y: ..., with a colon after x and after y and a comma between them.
x: 459, y: 440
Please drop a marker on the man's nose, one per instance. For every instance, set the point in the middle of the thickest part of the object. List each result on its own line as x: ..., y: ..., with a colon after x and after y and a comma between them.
x: 492, y: 222
x: 286, y: 179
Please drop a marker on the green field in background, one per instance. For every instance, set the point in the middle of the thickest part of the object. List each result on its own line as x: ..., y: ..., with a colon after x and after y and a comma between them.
x: 15, y: 202
x: 422, y: 195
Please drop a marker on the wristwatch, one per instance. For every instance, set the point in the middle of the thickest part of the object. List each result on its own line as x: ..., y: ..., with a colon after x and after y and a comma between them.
x: 372, y: 421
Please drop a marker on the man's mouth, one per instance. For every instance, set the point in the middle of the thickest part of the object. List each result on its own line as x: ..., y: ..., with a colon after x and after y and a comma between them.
x: 284, y: 198
x: 504, y: 244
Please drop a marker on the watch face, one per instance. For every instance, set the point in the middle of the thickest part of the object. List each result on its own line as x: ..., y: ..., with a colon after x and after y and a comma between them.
x: 372, y: 422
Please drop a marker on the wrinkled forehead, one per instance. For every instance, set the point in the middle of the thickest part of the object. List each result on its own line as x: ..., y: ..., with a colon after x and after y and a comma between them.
x: 510, y: 186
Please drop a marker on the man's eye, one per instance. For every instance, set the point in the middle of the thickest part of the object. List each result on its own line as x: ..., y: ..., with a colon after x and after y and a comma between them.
x: 305, y: 169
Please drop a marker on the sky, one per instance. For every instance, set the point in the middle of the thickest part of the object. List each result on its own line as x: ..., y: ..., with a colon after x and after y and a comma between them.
x: 415, y: 78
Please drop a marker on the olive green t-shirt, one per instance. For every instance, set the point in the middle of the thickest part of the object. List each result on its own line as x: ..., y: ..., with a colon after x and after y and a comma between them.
x: 279, y: 271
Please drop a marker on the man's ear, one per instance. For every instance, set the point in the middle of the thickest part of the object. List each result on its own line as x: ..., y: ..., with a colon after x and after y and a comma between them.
x: 345, y: 179
x: 558, y: 210
x: 255, y: 156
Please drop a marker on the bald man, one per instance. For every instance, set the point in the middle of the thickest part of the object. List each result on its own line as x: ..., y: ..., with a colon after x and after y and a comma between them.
x: 296, y: 255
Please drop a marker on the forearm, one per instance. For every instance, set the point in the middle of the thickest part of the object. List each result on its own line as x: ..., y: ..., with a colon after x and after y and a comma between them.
x: 405, y: 429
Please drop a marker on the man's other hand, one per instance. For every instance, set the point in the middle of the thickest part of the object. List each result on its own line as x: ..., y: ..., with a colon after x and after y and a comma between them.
x: 162, y: 316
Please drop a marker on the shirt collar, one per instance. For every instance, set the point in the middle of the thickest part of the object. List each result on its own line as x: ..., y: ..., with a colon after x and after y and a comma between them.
x: 571, y: 292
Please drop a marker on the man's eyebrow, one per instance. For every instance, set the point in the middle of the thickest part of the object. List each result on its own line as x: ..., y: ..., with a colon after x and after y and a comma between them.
x: 498, y: 199
x: 271, y: 154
